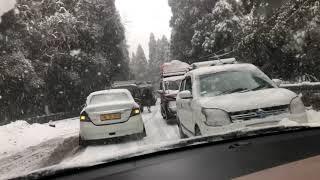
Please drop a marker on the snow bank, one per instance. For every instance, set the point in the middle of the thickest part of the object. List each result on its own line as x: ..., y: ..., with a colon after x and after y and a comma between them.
x: 314, y: 117
x: 19, y: 135
x: 301, y: 84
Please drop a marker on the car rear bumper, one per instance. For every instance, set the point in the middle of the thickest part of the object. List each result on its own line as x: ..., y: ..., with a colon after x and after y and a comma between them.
x: 172, y: 107
x: 89, y: 131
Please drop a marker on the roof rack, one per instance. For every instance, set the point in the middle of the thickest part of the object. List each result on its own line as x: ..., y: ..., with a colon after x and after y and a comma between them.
x: 213, y: 63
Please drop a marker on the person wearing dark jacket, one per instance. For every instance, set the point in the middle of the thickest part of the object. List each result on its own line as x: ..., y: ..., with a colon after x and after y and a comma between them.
x: 148, y: 98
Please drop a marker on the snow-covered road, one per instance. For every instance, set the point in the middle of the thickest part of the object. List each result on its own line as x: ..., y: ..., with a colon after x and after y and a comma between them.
x: 28, y: 147
x: 158, y: 130
x: 25, y: 147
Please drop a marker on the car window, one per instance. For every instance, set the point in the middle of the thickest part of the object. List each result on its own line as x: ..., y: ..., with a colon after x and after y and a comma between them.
x: 172, y: 85
x: 230, y: 82
x: 182, y: 85
x: 188, y: 85
x: 108, y: 98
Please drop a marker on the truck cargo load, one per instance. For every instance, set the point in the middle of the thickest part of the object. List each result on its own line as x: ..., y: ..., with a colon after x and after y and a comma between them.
x: 174, y: 68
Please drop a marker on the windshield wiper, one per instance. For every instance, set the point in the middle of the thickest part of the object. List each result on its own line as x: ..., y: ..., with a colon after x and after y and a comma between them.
x: 230, y: 91
x: 260, y: 87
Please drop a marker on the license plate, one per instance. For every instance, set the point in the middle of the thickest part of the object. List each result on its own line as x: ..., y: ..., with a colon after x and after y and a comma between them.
x: 106, y: 117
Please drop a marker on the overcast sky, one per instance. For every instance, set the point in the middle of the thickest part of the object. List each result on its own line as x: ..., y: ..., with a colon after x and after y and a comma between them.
x: 141, y: 17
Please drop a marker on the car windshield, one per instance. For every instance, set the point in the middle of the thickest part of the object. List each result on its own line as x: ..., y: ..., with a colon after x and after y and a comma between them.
x: 108, y: 98
x: 211, y: 68
x: 231, y: 82
x: 172, y: 85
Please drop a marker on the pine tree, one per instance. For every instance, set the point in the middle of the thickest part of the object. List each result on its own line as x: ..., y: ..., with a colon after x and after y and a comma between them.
x: 152, y: 49
x: 140, y: 65
x: 53, y: 49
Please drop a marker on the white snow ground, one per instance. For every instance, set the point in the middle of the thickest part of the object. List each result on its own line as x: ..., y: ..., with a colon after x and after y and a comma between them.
x: 25, y: 148
x: 19, y: 135
x: 158, y: 130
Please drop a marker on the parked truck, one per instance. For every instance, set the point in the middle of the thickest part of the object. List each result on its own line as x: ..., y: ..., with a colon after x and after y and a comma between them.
x: 171, y: 75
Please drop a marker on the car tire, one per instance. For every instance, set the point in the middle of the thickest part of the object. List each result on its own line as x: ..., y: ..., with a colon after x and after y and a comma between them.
x: 82, y: 143
x: 182, y: 134
x: 142, y: 134
x: 197, y: 131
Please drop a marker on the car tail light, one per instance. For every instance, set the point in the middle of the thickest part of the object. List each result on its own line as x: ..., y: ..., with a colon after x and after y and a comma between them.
x: 84, y: 117
x: 135, y: 111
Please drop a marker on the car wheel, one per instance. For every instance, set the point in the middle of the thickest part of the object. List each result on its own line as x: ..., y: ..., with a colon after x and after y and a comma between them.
x: 164, y: 113
x: 197, y: 131
x: 82, y: 142
x: 182, y: 134
x: 143, y: 133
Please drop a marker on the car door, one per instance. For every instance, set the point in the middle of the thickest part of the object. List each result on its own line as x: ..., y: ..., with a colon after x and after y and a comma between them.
x: 179, y: 101
x: 186, y: 111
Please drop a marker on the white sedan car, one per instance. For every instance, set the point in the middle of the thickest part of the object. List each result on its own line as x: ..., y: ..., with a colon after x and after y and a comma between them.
x: 110, y: 113
x: 217, y: 98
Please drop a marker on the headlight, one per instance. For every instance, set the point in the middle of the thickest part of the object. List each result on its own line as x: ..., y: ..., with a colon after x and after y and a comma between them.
x: 297, y: 106
x: 216, y: 117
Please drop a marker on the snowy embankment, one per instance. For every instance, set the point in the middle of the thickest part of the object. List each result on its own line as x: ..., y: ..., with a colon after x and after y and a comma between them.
x: 19, y: 135
x: 25, y: 148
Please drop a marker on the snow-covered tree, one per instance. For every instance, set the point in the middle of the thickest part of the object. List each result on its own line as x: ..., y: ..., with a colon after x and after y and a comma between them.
x: 140, y: 65
x: 68, y: 48
x: 159, y: 52
x: 217, y: 31
x: 281, y: 37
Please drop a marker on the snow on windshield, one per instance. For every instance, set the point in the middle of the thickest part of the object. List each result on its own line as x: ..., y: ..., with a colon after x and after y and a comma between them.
x: 172, y: 85
x: 229, y: 82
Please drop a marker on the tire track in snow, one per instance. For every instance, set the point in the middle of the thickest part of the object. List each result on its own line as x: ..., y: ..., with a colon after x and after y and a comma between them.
x: 158, y: 130
x: 48, y: 153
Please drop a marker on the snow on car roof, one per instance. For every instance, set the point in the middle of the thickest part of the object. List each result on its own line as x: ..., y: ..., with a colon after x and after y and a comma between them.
x: 213, y: 63
x: 173, y: 78
x: 221, y: 68
x: 110, y: 91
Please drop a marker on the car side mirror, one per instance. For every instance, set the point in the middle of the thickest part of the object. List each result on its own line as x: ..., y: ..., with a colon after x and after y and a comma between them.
x: 185, y: 95
x: 160, y: 91
x: 278, y: 82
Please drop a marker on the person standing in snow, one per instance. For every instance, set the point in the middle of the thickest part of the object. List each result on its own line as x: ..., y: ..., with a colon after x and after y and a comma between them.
x: 148, y: 97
